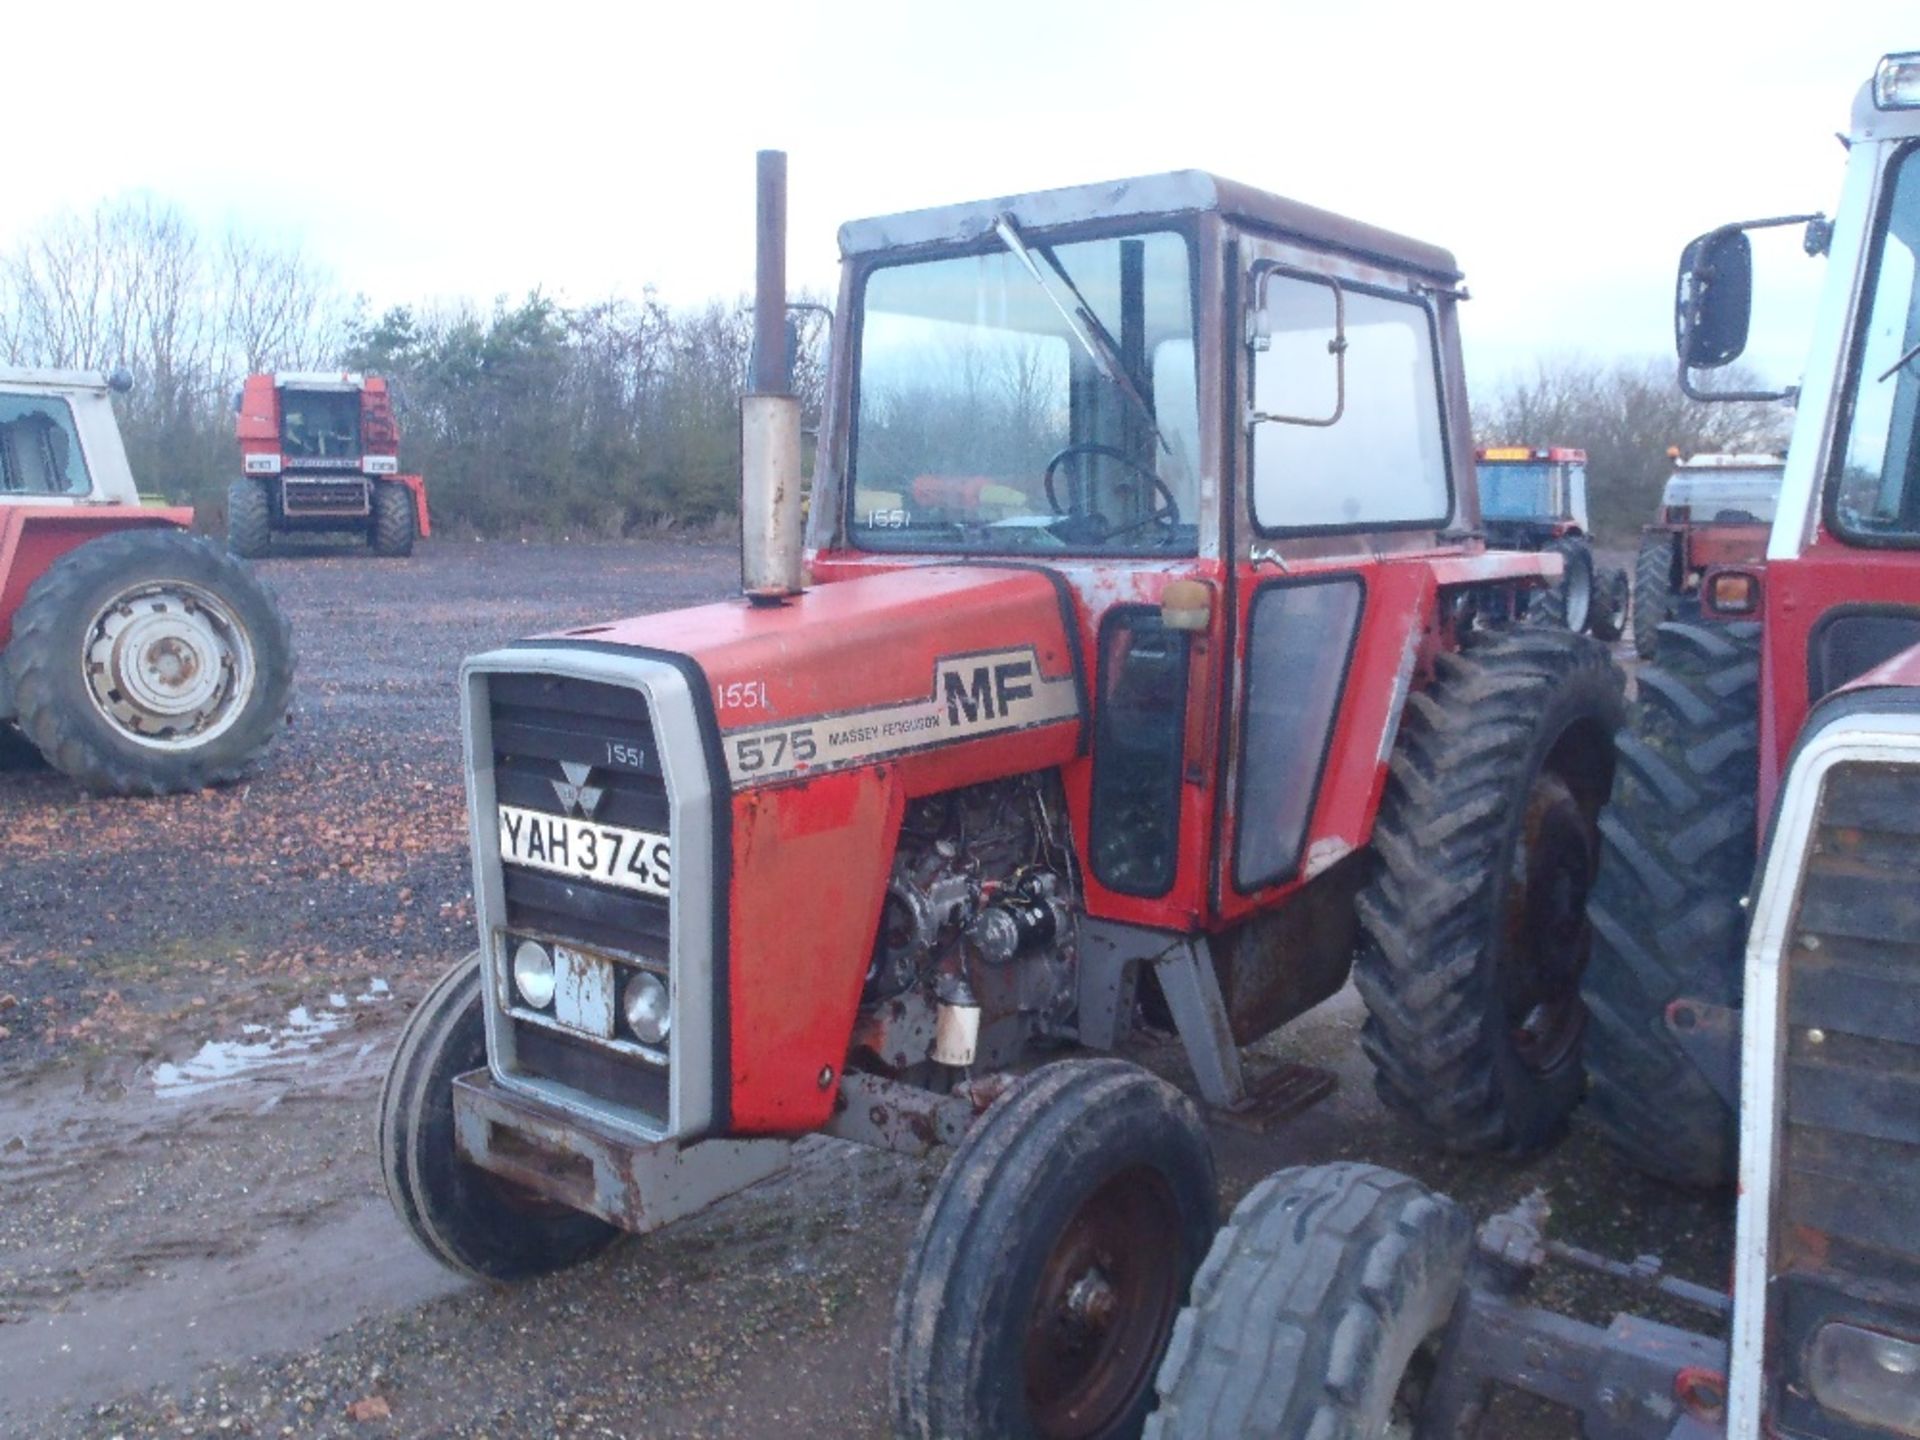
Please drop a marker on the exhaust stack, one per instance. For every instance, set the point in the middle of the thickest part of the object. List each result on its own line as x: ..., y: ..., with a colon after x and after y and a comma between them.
x: 770, y: 539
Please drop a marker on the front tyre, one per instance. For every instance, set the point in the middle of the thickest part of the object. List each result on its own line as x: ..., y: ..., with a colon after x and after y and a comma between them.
x: 249, y: 518
x: 1568, y: 605
x: 1653, y: 586
x: 1051, y: 1260
x: 1474, y: 925
x: 1318, y: 1311
x: 150, y: 661
x: 1612, y: 597
x: 467, y: 1219
x: 392, y: 528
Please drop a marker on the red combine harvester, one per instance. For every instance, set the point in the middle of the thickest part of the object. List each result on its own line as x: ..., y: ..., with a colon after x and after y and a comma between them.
x: 319, y: 451
x: 1776, y: 1003
x: 135, y: 657
x: 1534, y: 497
x: 1705, y: 556
x: 1148, y: 666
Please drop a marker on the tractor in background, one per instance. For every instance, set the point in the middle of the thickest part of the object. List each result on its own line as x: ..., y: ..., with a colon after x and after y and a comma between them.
x: 136, y: 657
x: 319, y: 451
x: 1535, y: 498
x: 1704, y: 558
x: 1085, y: 712
x: 1754, y: 989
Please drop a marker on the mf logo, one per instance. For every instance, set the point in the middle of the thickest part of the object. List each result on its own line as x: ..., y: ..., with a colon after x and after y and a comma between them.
x: 985, y: 691
x: 577, y: 797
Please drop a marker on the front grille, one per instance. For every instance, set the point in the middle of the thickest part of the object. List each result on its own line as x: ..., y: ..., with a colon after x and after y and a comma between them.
x: 541, y: 722
x: 306, y: 499
x: 1847, y: 1246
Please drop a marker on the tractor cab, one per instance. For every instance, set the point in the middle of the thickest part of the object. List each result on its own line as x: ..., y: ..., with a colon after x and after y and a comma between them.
x: 1531, y: 495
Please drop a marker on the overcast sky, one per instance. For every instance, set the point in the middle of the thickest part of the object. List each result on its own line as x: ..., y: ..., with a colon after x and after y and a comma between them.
x: 1564, y: 152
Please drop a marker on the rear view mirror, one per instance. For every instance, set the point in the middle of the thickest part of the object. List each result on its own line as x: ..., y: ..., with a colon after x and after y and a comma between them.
x: 1713, y: 300
x: 1297, y: 330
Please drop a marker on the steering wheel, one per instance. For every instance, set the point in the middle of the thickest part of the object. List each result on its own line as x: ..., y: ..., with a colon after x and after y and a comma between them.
x: 1166, y: 513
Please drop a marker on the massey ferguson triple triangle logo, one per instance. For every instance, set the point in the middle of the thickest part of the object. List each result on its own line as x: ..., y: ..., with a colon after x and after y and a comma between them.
x: 971, y: 695
x: 577, y: 797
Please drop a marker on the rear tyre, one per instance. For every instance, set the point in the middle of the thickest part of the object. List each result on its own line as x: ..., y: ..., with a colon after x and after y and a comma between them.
x: 249, y: 519
x: 1474, y: 929
x: 1052, y: 1259
x: 1568, y: 604
x: 392, y: 529
x: 150, y: 661
x: 1677, y: 857
x: 1612, y: 595
x: 467, y: 1219
x: 1318, y: 1311
x: 1652, y: 591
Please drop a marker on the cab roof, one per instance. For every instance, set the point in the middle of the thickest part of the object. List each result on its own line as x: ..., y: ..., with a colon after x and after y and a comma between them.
x: 1174, y: 194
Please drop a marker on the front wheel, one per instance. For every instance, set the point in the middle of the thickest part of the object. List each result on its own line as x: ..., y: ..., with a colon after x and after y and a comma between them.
x: 1612, y: 598
x: 1653, y: 586
x: 148, y: 662
x: 468, y: 1220
x: 393, y: 524
x: 1051, y: 1260
x: 1318, y: 1312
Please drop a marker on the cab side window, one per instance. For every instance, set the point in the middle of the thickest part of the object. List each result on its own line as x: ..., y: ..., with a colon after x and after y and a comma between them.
x: 1346, y: 410
x: 39, y: 451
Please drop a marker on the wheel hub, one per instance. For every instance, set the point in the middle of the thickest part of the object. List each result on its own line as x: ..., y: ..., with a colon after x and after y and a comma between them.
x: 168, y: 664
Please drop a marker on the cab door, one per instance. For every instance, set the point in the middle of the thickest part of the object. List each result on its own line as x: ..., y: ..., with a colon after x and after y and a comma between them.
x: 1347, y: 483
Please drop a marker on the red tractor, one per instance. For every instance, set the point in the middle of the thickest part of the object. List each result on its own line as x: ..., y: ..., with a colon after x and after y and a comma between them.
x: 320, y: 452
x: 1534, y: 497
x: 1705, y: 556
x: 1147, y: 665
x: 1769, y: 1010
x: 134, y: 656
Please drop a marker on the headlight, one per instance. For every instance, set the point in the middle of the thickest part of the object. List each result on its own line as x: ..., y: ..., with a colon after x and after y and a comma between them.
x: 644, y: 1007
x: 533, y: 974
x: 1867, y: 1376
x: 1896, y: 84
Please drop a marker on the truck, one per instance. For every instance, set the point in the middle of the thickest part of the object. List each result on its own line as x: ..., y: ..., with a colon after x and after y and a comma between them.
x: 1534, y: 497
x: 320, y: 451
x: 1753, y: 990
x: 1704, y: 557
x: 135, y: 656
x: 1142, y: 664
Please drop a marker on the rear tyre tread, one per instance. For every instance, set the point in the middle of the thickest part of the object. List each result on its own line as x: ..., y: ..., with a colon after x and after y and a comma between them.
x: 249, y: 519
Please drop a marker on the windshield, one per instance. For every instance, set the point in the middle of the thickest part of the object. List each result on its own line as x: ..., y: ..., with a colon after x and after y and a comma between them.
x: 39, y: 451
x: 1000, y: 408
x: 1733, y: 496
x: 1878, y: 495
x: 320, y: 424
x: 1511, y: 491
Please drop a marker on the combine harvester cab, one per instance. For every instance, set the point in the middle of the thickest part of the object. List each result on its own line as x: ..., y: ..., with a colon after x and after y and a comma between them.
x: 1084, y: 706
x: 134, y: 656
x: 1534, y: 497
x: 1767, y: 1014
x: 1705, y: 557
x: 319, y: 451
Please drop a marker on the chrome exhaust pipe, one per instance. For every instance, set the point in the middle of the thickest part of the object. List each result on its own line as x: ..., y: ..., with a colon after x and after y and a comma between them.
x: 770, y: 533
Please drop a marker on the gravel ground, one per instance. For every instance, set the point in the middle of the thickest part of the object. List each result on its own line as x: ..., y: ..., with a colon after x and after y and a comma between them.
x: 180, y: 1257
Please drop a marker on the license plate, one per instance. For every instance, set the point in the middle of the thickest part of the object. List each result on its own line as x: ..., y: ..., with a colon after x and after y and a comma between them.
x: 586, y: 850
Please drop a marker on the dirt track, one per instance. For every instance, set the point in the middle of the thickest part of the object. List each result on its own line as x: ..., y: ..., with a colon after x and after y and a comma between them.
x: 183, y: 1254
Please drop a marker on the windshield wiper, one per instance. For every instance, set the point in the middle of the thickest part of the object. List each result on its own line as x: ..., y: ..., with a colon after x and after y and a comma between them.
x: 1896, y: 365
x: 1081, y: 320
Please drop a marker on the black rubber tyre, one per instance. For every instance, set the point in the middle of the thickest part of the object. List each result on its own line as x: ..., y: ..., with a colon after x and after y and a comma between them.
x: 1677, y: 857
x: 88, y: 644
x: 462, y: 1216
x: 1569, y: 604
x: 390, y: 532
x: 1474, y: 929
x: 1653, y: 585
x: 1317, y: 1312
x: 249, y: 519
x: 1052, y: 1260
x: 1612, y: 598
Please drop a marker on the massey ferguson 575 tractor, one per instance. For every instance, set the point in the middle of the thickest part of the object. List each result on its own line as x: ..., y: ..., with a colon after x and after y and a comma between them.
x: 1346, y: 1300
x: 1705, y: 555
x: 1534, y: 497
x: 1147, y: 664
x: 320, y: 451
x: 137, y: 658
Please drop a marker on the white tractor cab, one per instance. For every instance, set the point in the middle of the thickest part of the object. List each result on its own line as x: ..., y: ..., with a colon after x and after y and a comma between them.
x: 1704, y: 557
x: 135, y: 657
x: 1765, y: 1014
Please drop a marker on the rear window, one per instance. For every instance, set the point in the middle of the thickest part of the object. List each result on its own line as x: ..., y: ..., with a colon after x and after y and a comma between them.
x: 39, y: 448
